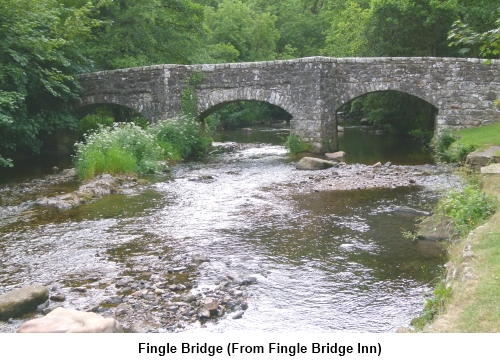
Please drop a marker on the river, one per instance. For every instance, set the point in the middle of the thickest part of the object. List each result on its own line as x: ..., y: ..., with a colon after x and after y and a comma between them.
x: 324, y: 261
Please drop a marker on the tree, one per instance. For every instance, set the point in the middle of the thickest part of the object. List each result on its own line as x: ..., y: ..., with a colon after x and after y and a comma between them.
x: 39, y: 55
x: 144, y: 32
x: 251, y: 33
x: 346, y: 36
x: 486, y: 44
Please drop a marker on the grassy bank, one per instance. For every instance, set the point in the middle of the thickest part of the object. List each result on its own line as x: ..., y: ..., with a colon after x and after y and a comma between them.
x: 466, y: 299
x: 475, y: 262
x: 483, y: 136
x: 455, y: 146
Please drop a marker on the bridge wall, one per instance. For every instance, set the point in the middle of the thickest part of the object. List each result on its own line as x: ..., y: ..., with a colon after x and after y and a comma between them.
x: 310, y: 89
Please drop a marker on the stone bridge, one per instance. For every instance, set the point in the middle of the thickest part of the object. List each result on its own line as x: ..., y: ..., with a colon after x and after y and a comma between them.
x: 311, y: 89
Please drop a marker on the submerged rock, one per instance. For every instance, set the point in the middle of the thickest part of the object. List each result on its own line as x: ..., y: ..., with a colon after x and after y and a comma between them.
x: 20, y: 301
x: 412, y: 211
x: 435, y: 228
x: 308, y: 163
x: 62, y: 320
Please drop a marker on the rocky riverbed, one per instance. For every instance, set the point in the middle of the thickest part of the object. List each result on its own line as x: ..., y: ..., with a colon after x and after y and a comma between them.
x: 153, y: 293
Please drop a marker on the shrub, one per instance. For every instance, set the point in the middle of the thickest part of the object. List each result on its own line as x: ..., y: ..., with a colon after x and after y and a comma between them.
x: 433, y: 305
x: 459, y: 150
x: 123, y: 148
x: 181, y: 137
x: 296, y: 145
x: 450, y: 149
x: 442, y: 144
x: 467, y: 208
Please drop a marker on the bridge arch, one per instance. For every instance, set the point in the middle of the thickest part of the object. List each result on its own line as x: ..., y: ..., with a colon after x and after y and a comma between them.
x: 140, y: 105
x: 356, y: 91
x: 211, y: 101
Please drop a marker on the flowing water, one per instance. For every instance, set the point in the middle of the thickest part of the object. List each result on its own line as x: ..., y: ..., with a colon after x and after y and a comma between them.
x: 325, y: 262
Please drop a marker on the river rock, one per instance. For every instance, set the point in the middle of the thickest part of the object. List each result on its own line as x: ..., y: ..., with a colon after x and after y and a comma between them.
x: 62, y: 320
x: 58, y: 297
x: 204, y: 313
x: 122, y: 309
x: 248, y: 280
x: 210, y: 304
x: 309, y: 163
x: 199, y: 258
x: 238, y: 315
x: 101, y: 185
x: 377, y: 165
x: 336, y: 156
x: 20, y: 301
x: 189, y: 298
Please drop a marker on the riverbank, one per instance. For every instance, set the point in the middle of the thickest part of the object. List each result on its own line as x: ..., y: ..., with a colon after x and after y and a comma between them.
x: 474, y: 274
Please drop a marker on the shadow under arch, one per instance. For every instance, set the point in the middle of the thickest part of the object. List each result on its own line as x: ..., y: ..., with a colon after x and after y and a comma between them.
x: 240, y: 113
x: 219, y: 98
x: 397, y: 111
x: 120, y: 113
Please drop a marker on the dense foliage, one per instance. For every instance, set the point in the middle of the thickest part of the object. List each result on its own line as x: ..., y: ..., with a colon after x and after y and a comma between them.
x: 126, y: 148
x: 295, y: 145
x: 39, y: 56
x: 122, y: 148
x: 181, y: 138
x: 44, y: 43
x: 467, y: 208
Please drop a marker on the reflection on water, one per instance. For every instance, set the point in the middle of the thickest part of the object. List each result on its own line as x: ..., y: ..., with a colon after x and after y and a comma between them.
x: 363, y: 146
x: 325, y: 262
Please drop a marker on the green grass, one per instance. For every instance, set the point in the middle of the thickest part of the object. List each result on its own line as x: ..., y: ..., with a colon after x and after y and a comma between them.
x: 482, y: 136
x: 121, y: 149
x: 474, y: 304
x: 126, y: 148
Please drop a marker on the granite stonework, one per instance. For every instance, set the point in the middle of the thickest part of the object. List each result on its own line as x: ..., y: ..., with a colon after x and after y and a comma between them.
x: 309, y: 89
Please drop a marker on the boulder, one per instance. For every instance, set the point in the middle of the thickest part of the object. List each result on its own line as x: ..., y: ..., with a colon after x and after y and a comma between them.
x: 478, y: 159
x: 336, y: 156
x: 308, y: 163
x: 210, y: 304
x: 62, y: 320
x: 20, y: 301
